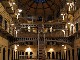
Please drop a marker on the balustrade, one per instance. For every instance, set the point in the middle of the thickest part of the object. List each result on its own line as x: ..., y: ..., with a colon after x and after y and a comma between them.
x: 57, y: 39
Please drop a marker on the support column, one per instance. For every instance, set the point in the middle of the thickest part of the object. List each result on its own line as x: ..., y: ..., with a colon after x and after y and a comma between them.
x: 18, y: 55
x: 66, y: 55
x: 14, y: 55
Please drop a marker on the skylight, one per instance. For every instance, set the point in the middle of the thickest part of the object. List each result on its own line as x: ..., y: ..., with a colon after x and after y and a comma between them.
x: 40, y: 1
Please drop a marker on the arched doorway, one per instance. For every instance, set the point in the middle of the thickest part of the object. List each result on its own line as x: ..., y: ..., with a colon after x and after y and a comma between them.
x: 3, y: 53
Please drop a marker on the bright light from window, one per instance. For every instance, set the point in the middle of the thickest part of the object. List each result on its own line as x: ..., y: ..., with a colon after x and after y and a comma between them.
x: 51, y: 49
x: 65, y: 47
x: 28, y: 49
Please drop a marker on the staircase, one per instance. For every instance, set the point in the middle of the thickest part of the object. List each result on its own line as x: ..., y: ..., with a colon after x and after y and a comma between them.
x: 41, y: 49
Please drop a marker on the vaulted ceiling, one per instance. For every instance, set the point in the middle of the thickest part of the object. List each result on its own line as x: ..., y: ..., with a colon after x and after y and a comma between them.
x: 47, y: 9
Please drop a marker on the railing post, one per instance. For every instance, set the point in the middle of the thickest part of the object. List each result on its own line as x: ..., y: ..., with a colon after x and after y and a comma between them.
x: 38, y: 45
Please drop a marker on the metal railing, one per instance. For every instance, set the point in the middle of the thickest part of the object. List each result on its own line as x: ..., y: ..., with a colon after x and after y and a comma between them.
x: 57, y: 39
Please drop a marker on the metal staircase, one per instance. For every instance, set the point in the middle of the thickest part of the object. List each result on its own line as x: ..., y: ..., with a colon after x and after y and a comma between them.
x: 41, y: 47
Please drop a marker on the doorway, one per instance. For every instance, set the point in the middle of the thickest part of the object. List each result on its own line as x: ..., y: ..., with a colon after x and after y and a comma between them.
x: 48, y: 55
x: 53, y: 55
x: 60, y: 55
x: 78, y: 53
x: 31, y: 55
x: 73, y: 53
x: 26, y: 53
x: 3, y: 53
x: 56, y: 55
x: 8, y: 53
x: 69, y: 54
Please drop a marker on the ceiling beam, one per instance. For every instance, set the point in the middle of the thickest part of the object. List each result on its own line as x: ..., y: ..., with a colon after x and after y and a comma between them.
x: 50, y: 8
x: 43, y: 10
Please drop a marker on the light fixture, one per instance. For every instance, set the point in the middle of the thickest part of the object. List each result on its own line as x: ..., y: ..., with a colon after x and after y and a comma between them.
x: 62, y: 45
x: 18, y: 13
x: 51, y: 29
x: 72, y: 24
x: 29, y: 28
x: 63, y: 15
x: 19, y: 10
x: 51, y: 49
x: 17, y: 45
x: 12, y: 8
x: 17, y: 16
x: 68, y: 3
x: 63, y: 30
x: 66, y: 26
x: 68, y: 23
x: 13, y: 3
x: 12, y: 24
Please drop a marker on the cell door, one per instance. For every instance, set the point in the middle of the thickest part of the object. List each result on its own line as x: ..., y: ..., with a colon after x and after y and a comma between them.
x: 48, y: 55
x: 31, y: 55
x: 8, y: 53
x: 53, y: 55
x: 3, y: 53
x: 56, y: 55
x: 60, y: 55
x: 78, y: 53
x: 73, y: 53
x: 26, y: 53
x: 69, y: 54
